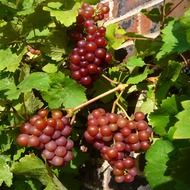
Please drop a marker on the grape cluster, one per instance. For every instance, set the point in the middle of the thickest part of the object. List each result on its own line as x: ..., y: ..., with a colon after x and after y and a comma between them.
x: 116, y: 137
x: 89, y: 56
x: 49, y: 134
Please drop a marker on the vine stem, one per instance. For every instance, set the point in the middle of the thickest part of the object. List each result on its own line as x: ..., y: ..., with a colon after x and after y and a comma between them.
x: 116, y: 101
x: 120, y: 87
x: 184, y: 59
x: 110, y: 80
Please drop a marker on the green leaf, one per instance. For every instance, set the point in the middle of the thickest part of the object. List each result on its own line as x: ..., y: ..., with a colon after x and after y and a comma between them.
x: 92, y: 1
x: 100, y: 86
x: 32, y: 167
x: 179, y: 164
x: 36, y: 33
x: 185, y: 19
x: 10, y: 61
x: 5, y: 173
x: 27, y: 7
x: 50, y: 68
x: 65, y: 17
x: 149, y: 103
x: 167, y: 78
x: 182, y: 126
x: 72, y: 89
x: 26, y: 184
x: 155, y: 170
x: 135, y: 62
x: 18, y: 154
x: 174, y: 39
x: 111, y: 31
x: 38, y: 80
x: 64, y: 91
x: 136, y: 78
x: 186, y: 104
x: 163, y: 118
x: 32, y: 103
x: 5, y: 141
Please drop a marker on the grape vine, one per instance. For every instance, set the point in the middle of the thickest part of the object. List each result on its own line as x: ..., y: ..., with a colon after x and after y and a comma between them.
x: 75, y: 101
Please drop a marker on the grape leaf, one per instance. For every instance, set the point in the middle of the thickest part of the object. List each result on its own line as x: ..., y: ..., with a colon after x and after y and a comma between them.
x: 38, y: 80
x: 26, y: 184
x: 37, y: 34
x: 92, y: 1
x: 63, y: 91
x: 167, y: 78
x: 65, y: 17
x: 182, y: 125
x: 163, y: 118
x: 27, y: 7
x: 32, y: 103
x: 54, y: 97
x: 6, y: 83
x: 111, y: 31
x: 32, y: 167
x: 72, y: 88
x: 179, y: 164
x: 5, y: 141
x: 136, y: 78
x: 100, y: 86
x: 10, y: 61
x: 157, y: 157
x: 149, y: 102
x: 50, y: 68
x: 5, y: 173
x: 133, y: 62
x: 185, y: 19
x: 174, y: 39
x: 18, y: 153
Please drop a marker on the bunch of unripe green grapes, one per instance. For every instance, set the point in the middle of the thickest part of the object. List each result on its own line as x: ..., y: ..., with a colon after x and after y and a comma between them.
x: 116, y: 137
x: 50, y: 133
x: 89, y: 56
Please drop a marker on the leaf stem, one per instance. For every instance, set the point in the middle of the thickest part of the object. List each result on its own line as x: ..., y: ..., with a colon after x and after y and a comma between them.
x: 110, y: 80
x: 116, y: 101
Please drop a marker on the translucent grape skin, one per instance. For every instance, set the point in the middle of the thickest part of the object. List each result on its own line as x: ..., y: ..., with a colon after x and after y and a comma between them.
x: 48, y: 132
x: 22, y: 140
x: 47, y: 154
x: 115, y: 137
x: 89, y: 56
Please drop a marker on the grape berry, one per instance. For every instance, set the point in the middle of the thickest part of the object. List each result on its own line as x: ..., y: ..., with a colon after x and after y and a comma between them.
x: 116, y: 137
x: 50, y: 134
x: 89, y: 56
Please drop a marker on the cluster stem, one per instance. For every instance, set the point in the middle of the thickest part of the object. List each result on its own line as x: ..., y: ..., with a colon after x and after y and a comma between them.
x: 120, y: 87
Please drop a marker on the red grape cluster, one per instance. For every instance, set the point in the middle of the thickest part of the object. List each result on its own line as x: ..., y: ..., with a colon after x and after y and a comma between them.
x: 50, y: 134
x: 90, y: 55
x: 116, y: 137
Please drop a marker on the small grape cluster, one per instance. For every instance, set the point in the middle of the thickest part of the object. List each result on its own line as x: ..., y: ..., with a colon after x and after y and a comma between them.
x: 89, y: 56
x: 116, y: 137
x: 50, y: 134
